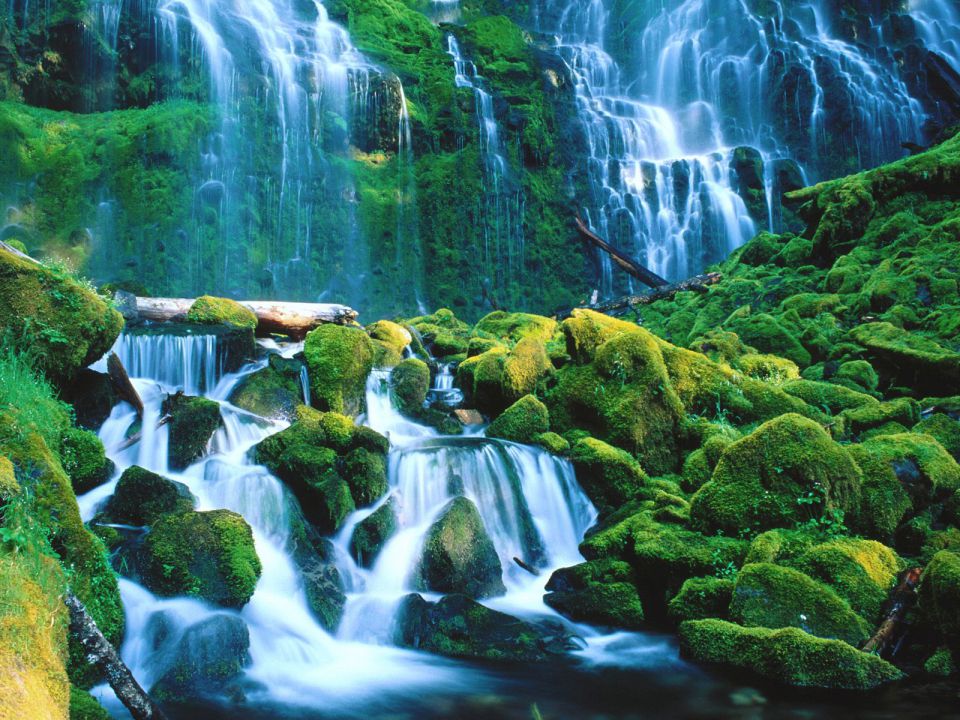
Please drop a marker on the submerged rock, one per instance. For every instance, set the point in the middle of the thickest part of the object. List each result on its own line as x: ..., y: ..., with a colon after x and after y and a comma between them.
x: 460, y: 627
x: 458, y: 555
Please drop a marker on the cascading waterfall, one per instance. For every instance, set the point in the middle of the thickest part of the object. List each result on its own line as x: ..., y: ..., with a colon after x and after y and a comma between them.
x: 664, y: 107
x: 939, y: 23
x: 502, y: 203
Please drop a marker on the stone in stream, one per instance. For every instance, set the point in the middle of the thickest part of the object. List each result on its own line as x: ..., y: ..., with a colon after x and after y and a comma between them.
x: 142, y: 497
x: 272, y: 392
x: 194, y: 421
x: 460, y: 627
x: 372, y: 533
x: 458, y: 555
x: 600, y: 592
x: 315, y: 558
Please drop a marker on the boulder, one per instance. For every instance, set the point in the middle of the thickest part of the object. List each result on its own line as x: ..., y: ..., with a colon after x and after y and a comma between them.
x: 339, y: 358
x: 410, y: 381
x: 143, y: 497
x: 372, y: 533
x: 599, y: 592
x: 315, y: 557
x: 84, y: 458
x: 193, y: 422
x: 272, y: 392
x: 608, y: 475
x: 209, y: 310
x: 522, y: 422
x: 700, y: 598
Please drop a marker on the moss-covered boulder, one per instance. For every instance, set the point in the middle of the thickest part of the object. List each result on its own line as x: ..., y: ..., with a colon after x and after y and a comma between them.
x: 943, y: 428
x: 209, y: 310
x: 209, y: 655
x: 410, y: 381
x: 390, y: 341
x: 610, y: 476
x: 339, y: 358
x: 522, y: 422
x: 884, y: 501
x: 143, y: 497
x: 788, y: 655
x: 922, y: 466
x: 208, y: 555
x: 495, y: 379
x: 552, y: 443
x: 786, y: 472
x: 859, y: 420
x: 372, y: 533
x: 940, y: 597
x: 193, y: 422
x: 84, y: 458
x: 458, y: 555
x: 441, y: 332
x: 907, y: 358
x: 772, y: 596
x: 59, y: 320
x: 316, y: 561
x: 766, y: 333
x: 599, y: 592
x: 700, y: 598
x: 514, y: 327
x: 92, y: 397
x: 272, y: 392
x: 457, y: 626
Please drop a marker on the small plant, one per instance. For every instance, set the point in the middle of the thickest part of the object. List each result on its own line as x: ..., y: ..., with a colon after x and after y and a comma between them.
x: 725, y: 570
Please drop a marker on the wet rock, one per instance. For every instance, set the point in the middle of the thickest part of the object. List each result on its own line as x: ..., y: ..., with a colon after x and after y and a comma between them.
x: 142, y: 497
x: 372, y: 533
x: 600, y: 592
x: 84, y: 459
x: 194, y: 421
x: 92, y: 397
x: 315, y: 557
x: 273, y: 392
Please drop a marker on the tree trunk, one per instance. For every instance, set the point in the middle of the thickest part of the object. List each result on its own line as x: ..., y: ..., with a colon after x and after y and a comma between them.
x: 887, y: 637
x: 273, y: 316
x: 122, y: 385
x: 697, y: 283
x: 647, y: 277
x: 102, y: 654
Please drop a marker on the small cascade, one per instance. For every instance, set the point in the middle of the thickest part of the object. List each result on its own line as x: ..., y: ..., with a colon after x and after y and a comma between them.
x: 503, y: 199
x: 443, y: 394
x: 409, y: 256
x: 189, y: 362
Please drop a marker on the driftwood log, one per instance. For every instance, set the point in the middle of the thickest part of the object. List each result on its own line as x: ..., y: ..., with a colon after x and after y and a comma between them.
x: 891, y: 631
x: 273, y: 316
x: 647, y: 277
x: 121, y: 383
x: 102, y: 654
x: 697, y: 283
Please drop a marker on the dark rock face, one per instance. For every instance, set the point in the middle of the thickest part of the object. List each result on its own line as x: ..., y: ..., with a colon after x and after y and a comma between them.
x: 315, y: 558
x: 458, y: 555
x: 92, y: 397
x: 460, y: 627
x: 372, y: 533
x: 194, y: 421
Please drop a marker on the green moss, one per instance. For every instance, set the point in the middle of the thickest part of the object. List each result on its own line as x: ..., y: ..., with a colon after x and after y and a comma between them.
x: 905, y: 411
x: 194, y: 421
x: 84, y: 459
x: 702, y: 597
x: 48, y: 313
x: 945, y: 429
x: 338, y: 360
x: 939, y: 594
x: 909, y: 359
x: 827, y: 396
x: 514, y: 327
x: 768, y: 367
x: 941, y: 663
x: 372, y: 533
x: 553, y: 443
x: 883, y: 500
x: 609, y: 476
x: 764, y: 332
x: 208, y: 555
x: 392, y: 336
x: 522, y: 422
x: 923, y: 466
x: 142, y: 497
x: 410, y: 381
x: 788, y: 655
x: 859, y: 372
x: 772, y: 596
x: 600, y: 592
x: 272, y: 392
x: 207, y: 310
x: 786, y: 472
x: 83, y: 706
x: 458, y: 555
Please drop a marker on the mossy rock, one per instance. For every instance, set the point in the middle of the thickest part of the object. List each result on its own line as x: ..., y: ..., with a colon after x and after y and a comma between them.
x: 860, y: 373
x: 945, y: 429
x: 922, y: 466
x: 92, y: 397
x: 48, y: 313
x: 83, y: 706
x: 497, y: 378
x: 457, y: 626
x: 208, y: 555
x: 599, y: 592
x: 390, y: 335
x: 786, y: 472
x: 769, y: 368
x: 768, y: 335
x: 458, y: 555
x: 143, y: 497
x: 271, y: 392
x: 84, y: 459
x: 209, y: 310
x: 587, y: 330
x: 939, y: 594
x: 514, y: 327
x: 700, y: 598
x: 552, y: 443
x: 610, y: 476
x: 410, y: 381
x: 941, y: 663
x: 828, y: 396
x: 884, y: 502
x: 772, y: 596
x: 193, y: 422
x: 522, y: 422
x: 907, y: 358
x: 904, y: 411
x: 316, y: 561
x: 373, y: 532
x: 788, y: 655
x: 338, y: 360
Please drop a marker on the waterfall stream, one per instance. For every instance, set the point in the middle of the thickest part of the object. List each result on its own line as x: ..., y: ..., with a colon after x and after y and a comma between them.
x: 515, y: 488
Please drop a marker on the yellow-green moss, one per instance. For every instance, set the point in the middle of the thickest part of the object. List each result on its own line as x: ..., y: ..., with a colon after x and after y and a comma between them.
x: 338, y: 360
x: 514, y: 327
x: 522, y: 422
x: 209, y: 310
x: 940, y: 596
x: 609, y: 475
x: 389, y: 334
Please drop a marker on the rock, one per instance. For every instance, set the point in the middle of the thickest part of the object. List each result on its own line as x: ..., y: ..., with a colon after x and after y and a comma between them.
x: 772, y: 596
x: 84, y: 458
x: 142, y: 497
x: 194, y: 421
x: 940, y: 597
x: 522, y: 422
x: 553, y: 443
x: 339, y: 358
x: 908, y: 358
x: 460, y: 627
x: 64, y: 325
x: 372, y: 533
x: 599, y: 592
x: 468, y: 417
x: 272, y: 392
x: 458, y: 556
x: 922, y: 466
x: 788, y: 655
x: 608, y: 475
x: 315, y: 557
x: 944, y: 429
x: 210, y: 655
x: 410, y: 381
x: 392, y: 337
x: 92, y: 397
x: 514, y: 327
x: 209, y: 555
x: 700, y: 598
x: 441, y: 332
x: 499, y: 377
x: 785, y: 472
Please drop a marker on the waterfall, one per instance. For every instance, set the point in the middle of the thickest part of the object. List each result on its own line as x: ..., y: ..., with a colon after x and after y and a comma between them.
x: 939, y: 24
x: 664, y: 106
x: 502, y: 203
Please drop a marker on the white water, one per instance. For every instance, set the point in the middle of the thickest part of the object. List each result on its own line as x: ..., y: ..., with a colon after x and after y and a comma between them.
x: 294, y: 660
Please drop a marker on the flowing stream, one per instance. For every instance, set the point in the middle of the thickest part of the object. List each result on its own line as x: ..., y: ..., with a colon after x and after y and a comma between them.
x: 529, y: 501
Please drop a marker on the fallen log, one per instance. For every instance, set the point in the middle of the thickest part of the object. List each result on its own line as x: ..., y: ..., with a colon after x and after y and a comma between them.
x: 891, y: 631
x: 13, y: 251
x: 122, y: 385
x: 101, y: 653
x: 526, y: 566
x: 697, y: 283
x: 273, y: 316
x: 138, y: 436
x: 647, y: 277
